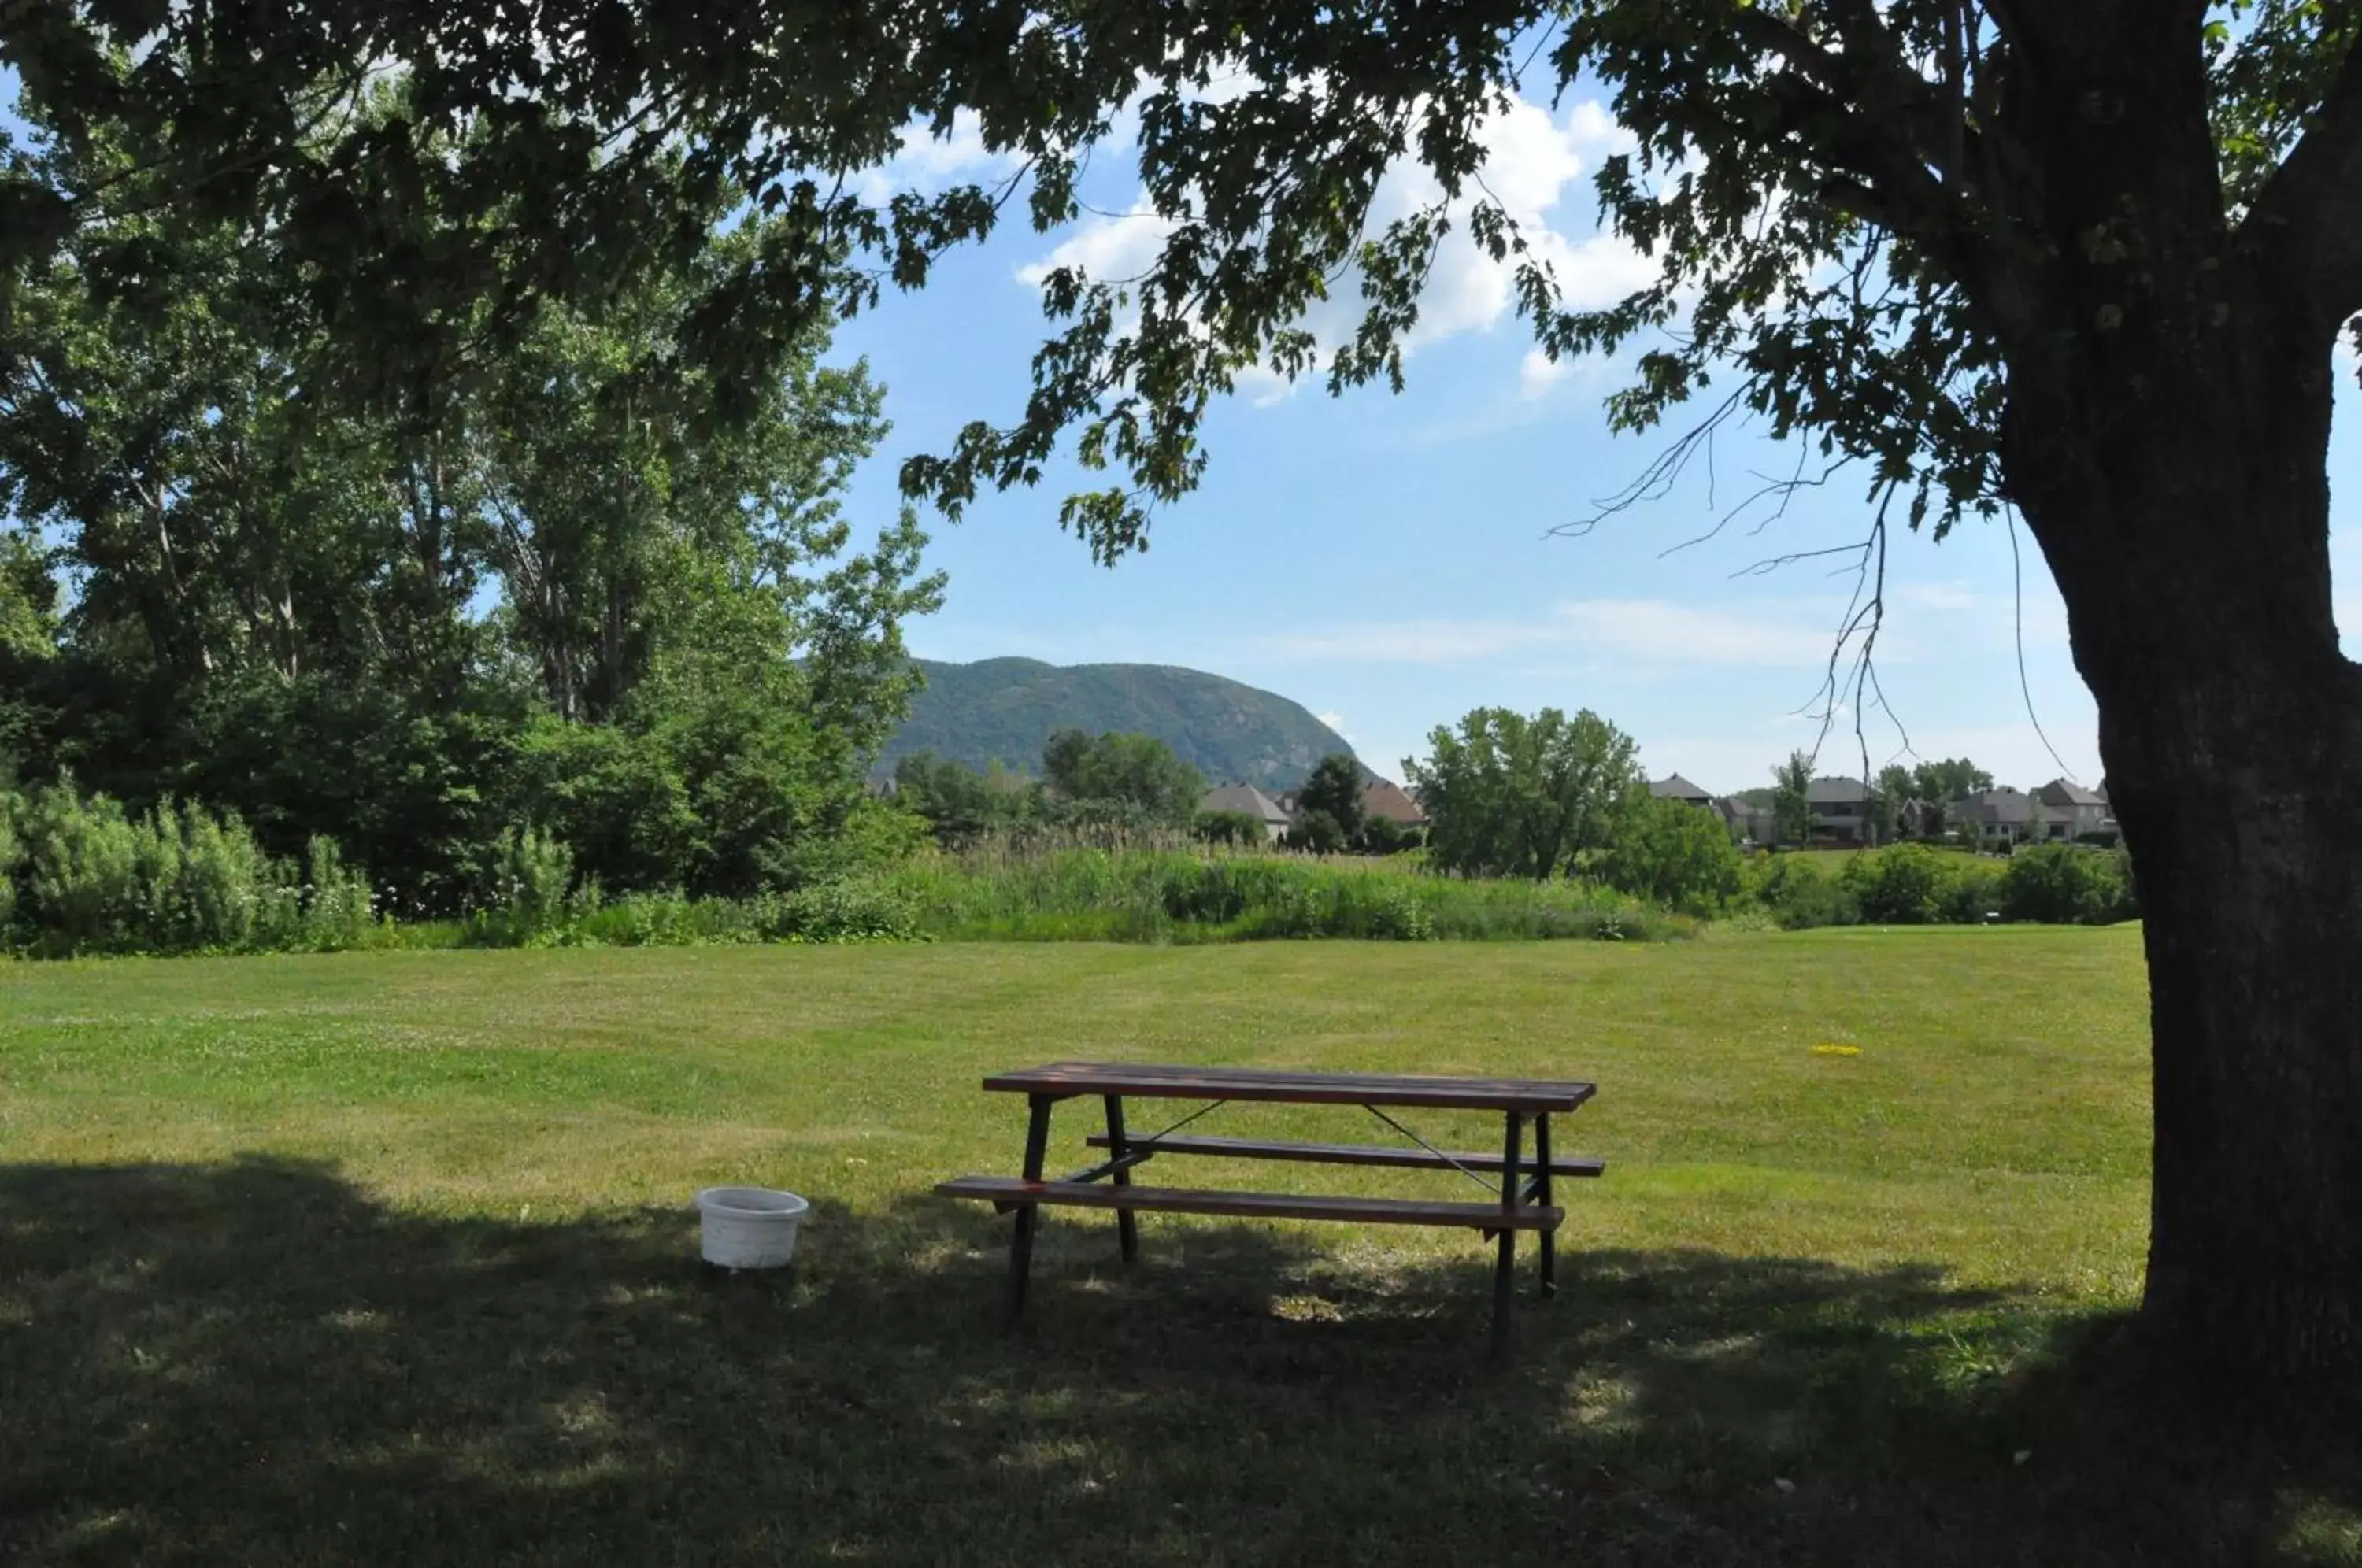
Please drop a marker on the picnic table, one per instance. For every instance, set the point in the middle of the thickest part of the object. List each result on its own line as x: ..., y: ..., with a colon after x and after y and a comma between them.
x: 1523, y: 1193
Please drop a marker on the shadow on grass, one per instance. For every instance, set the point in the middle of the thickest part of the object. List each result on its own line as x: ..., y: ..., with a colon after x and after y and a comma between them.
x: 258, y: 1362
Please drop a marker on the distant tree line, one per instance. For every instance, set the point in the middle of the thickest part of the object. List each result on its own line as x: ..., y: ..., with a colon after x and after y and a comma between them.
x: 1109, y: 781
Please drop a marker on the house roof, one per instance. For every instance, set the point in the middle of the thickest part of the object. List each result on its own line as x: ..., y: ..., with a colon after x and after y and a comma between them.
x: 2002, y: 805
x: 1241, y: 797
x: 1833, y: 790
x: 2060, y: 792
x: 1383, y: 798
x: 1673, y: 787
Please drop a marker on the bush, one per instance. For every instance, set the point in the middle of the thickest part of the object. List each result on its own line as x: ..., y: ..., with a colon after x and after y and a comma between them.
x: 1674, y: 854
x: 534, y: 871
x: 1902, y: 886
x: 1384, y: 835
x: 852, y: 908
x: 339, y: 908
x: 1316, y: 833
x: 1800, y: 897
x: 1972, y: 896
x: 1242, y: 830
x: 8, y: 849
x: 81, y: 870
x: 2065, y: 884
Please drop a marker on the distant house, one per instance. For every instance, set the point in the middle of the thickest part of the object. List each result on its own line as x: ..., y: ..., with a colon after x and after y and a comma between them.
x: 1736, y: 815
x: 2076, y: 812
x: 2000, y: 817
x: 1383, y: 798
x: 1673, y: 787
x: 1243, y: 797
x: 881, y: 786
x: 1840, y: 809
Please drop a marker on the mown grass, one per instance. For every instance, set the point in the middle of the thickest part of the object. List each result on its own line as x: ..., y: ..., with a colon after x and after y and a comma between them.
x: 384, y: 1258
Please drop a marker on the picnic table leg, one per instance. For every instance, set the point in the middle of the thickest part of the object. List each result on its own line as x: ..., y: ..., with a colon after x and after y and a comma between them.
x: 1505, y: 1264
x: 1542, y: 1196
x: 1127, y: 1226
x: 1021, y: 1245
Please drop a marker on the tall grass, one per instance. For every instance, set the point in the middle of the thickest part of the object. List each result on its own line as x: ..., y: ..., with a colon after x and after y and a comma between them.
x: 1012, y: 891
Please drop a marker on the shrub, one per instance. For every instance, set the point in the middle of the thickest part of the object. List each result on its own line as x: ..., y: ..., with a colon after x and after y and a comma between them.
x: 2064, y: 884
x: 1674, y: 854
x: 1316, y: 833
x: 1901, y: 886
x: 82, y: 869
x: 1972, y: 895
x: 337, y: 903
x: 1240, y: 829
x: 1384, y: 835
x: 231, y: 896
x: 850, y: 909
x: 8, y: 848
x: 1800, y: 897
x: 533, y: 870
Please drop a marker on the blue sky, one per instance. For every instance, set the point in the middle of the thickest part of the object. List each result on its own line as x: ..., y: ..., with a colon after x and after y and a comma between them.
x: 1386, y: 562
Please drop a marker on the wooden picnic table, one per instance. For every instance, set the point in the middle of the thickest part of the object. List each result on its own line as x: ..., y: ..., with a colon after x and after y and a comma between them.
x: 1523, y: 1200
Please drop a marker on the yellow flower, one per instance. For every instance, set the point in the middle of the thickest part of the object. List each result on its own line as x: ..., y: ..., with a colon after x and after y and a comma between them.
x: 1831, y: 1048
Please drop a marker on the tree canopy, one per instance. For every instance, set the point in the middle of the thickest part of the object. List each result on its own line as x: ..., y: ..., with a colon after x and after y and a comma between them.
x: 1510, y: 795
x: 595, y: 591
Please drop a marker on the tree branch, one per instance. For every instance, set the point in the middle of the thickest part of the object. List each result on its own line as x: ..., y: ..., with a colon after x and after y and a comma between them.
x: 2310, y: 213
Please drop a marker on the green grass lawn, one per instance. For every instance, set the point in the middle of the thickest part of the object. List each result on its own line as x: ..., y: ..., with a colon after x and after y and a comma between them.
x: 386, y: 1258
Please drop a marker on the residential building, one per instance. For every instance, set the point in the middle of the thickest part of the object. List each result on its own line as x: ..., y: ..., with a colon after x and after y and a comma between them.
x: 1675, y: 788
x: 1238, y: 796
x: 1840, y: 809
x: 2076, y: 812
x: 1998, y: 818
x: 1383, y: 798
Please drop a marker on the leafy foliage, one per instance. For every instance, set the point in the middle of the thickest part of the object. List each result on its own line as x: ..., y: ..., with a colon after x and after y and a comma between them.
x: 962, y: 805
x: 283, y: 584
x: 1508, y: 795
x: 2068, y: 884
x: 1792, y: 807
x: 1138, y: 774
x: 1674, y: 854
x: 1240, y: 829
x: 1335, y: 791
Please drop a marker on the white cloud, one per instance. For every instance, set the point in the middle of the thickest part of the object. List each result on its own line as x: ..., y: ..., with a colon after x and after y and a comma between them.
x: 1336, y: 722
x: 1653, y: 632
x: 1531, y: 160
x: 1540, y: 372
x: 1107, y: 247
x: 927, y: 162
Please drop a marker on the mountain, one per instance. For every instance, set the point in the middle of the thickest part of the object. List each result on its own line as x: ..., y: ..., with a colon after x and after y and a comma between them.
x: 1006, y: 708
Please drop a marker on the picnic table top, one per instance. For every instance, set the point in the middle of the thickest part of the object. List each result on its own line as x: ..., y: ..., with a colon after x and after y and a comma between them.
x: 1532, y: 1096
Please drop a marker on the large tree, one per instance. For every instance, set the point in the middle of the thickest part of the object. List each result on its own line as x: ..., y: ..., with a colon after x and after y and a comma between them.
x: 2088, y: 259
x: 1511, y: 796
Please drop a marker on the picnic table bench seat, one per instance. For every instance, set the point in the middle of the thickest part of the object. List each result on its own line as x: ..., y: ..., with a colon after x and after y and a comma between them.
x: 1011, y: 1192
x: 1349, y: 1154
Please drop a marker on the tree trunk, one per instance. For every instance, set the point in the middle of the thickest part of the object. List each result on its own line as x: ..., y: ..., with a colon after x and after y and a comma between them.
x: 2184, y: 509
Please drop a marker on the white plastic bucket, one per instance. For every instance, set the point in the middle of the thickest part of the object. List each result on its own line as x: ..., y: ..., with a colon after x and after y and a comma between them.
x: 749, y: 1227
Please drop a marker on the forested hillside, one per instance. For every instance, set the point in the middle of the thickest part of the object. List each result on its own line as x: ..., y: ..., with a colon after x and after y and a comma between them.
x: 1004, y: 708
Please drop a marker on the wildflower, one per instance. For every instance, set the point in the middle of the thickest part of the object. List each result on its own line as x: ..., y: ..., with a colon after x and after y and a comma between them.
x: 1831, y: 1048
